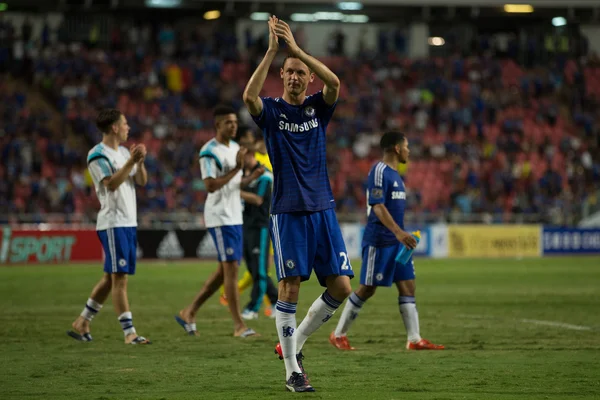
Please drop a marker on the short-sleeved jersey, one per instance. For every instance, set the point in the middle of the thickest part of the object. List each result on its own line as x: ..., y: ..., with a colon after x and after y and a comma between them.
x: 258, y: 216
x: 385, y: 186
x: 296, y: 144
x: 224, y: 206
x: 118, y: 209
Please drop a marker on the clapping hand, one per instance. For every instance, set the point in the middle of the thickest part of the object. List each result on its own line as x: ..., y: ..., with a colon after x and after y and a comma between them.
x: 138, y: 152
x: 258, y: 172
x: 239, y: 159
x: 273, y: 40
x: 283, y: 31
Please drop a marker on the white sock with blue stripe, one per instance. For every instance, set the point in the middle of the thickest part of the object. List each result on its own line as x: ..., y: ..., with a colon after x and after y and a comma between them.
x: 410, y: 316
x: 91, y: 309
x: 126, y: 321
x: 351, y: 310
x: 285, y: 319
x: 319, y: 313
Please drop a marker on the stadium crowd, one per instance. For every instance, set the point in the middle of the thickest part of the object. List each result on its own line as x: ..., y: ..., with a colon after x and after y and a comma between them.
x: 487, y: 135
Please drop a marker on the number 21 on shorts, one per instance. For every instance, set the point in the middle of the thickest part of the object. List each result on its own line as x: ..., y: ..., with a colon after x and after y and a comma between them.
x: 345, y: 264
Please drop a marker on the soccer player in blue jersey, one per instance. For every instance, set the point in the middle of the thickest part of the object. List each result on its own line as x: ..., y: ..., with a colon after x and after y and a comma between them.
x: 383, y: 238
x: 303, y: 226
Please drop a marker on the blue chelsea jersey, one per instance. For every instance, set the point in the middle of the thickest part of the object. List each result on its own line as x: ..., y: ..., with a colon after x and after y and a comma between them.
x: 296, y: 142
x: 385, y: 186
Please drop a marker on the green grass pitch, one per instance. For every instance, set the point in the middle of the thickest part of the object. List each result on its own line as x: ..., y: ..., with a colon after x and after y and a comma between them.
x: 514, y: 329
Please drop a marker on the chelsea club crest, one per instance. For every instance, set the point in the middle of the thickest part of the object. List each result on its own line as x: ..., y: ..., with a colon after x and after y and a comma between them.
x: 309, y: 111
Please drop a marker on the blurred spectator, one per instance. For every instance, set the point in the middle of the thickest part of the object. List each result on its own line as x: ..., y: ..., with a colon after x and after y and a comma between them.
x: 489, y: 137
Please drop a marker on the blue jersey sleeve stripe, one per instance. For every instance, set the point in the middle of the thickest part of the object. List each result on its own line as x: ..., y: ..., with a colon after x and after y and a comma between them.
x: 208, y: 165
x: 267, y: 175
x: 206, y: 153
x: 100, y: 156
x: 263, y: 185
x: 105, y: 166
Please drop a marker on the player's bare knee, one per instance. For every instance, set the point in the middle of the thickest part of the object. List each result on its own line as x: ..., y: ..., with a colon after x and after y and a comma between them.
x: 345, y: 289
x: 289, y: 289
x: 339, y: 287
x: 229, y: 271
x: 119, y: 281
x: 365, y: 292
x: 406, y: 288
x: 230, y: 267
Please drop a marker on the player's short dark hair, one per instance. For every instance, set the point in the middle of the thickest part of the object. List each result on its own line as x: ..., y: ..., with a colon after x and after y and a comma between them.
x: 243, y: 131
x: 287, y: 57
x: 222, y: 110
x: 106, y: 118
x: 390, y: 139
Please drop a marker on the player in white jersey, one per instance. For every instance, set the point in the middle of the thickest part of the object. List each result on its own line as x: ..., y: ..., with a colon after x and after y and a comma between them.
x: 115, y: 171
x: 221, y: 163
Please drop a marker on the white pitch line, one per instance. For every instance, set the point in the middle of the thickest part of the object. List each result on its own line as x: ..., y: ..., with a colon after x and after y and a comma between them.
x: 558, y: 324
x: 534, y: 321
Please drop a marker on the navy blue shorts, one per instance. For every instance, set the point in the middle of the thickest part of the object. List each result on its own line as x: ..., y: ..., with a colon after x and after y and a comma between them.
x: 120, y: 250
x: 228, y: 241
x: 305, y: 241
x: 379, y: 266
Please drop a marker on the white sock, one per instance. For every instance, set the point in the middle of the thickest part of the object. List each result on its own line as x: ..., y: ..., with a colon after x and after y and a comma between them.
x: 351, y: 310
x: 410, y: 316
x: 126, y: 321
x: 285, y: 319
x: 91, y: 309
x: 319, y: 313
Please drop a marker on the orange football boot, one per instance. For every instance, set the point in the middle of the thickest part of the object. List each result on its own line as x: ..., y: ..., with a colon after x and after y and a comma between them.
x: 269, y: 312
x: 299, y: 358
x: 340, y: 342
x: 223, y: 300
x: 423, y: 344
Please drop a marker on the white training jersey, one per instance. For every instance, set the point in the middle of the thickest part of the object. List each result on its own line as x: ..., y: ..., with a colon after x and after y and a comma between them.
x: 224, y: 206
x: 118, y: 208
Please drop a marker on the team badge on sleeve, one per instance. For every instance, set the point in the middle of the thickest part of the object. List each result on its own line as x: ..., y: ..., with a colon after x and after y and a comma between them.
x: 376, y: 193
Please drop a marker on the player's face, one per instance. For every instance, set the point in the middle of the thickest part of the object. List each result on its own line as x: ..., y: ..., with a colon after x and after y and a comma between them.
x: 249, y: 158
x: 227, y: 125
x: 403, y: 151
x: 247, y: 141
x: 122, y: 129
x: 296, y: 76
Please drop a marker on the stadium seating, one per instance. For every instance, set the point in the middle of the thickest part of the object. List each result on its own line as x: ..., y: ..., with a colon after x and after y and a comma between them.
x: 486, y: 134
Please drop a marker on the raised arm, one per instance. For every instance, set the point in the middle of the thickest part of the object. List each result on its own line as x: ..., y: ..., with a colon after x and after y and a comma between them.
x: 331, y: 90
x: 257, y: 80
